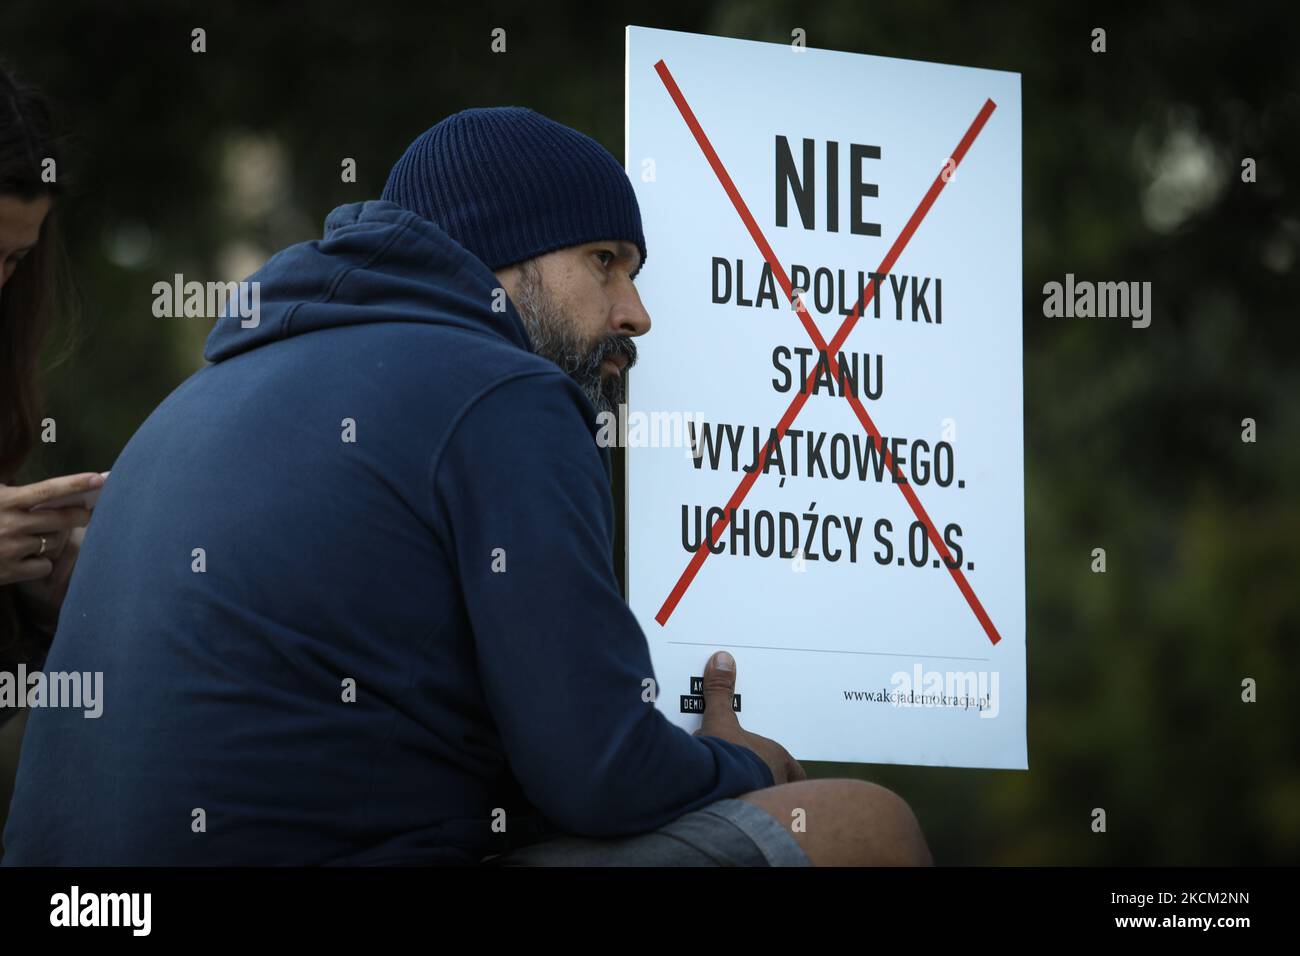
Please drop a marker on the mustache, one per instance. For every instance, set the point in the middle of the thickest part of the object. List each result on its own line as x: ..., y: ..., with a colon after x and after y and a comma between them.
x: 611, y: 346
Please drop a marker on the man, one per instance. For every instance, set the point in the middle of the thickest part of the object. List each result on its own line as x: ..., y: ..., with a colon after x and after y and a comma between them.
x: 351, y: 586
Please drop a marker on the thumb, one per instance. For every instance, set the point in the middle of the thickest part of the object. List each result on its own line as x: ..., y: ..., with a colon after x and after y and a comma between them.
x: 719, y: 685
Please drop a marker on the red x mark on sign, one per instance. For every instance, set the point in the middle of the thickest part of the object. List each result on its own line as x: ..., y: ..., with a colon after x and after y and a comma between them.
x: 702, y: 551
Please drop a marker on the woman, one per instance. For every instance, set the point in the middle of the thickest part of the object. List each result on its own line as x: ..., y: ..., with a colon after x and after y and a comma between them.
x: 37, y: 547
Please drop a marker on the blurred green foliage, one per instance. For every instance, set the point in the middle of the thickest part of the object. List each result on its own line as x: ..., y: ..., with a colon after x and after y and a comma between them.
x: 198, y: 163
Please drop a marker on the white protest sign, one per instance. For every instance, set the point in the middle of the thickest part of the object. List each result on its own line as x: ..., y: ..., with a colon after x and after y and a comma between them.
x: 852, y: 528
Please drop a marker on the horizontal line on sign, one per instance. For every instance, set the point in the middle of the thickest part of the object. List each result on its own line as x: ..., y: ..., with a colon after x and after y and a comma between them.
x: 826, y: 650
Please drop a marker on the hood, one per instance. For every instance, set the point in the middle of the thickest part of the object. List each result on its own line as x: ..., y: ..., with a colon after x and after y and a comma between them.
x: 377, y: 262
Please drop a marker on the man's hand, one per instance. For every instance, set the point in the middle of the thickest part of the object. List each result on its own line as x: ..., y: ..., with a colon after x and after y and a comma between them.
x: 721, y: 721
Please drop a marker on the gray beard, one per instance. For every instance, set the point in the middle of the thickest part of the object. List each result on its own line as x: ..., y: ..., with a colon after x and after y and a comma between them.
x: 553, y: 336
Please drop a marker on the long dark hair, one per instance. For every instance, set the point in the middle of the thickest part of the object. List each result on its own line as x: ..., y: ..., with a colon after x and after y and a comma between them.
x: 31, y: 299
x: 29, y: 304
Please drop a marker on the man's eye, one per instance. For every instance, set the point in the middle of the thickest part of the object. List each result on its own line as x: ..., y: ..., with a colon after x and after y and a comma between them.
x: 606, y: 252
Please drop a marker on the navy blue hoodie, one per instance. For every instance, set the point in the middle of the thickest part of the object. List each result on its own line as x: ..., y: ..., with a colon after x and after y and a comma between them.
x: 453, y: 563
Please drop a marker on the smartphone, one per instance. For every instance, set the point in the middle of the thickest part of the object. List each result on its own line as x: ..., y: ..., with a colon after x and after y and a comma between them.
x: 82, y: 499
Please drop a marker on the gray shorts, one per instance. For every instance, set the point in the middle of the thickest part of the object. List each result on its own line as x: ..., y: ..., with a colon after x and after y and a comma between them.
x: 726, y: 833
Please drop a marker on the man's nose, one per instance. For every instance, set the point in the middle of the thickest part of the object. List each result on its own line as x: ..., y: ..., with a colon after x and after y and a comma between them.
x: 630, y: 316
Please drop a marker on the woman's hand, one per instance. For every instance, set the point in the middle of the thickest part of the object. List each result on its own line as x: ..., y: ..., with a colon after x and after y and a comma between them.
x: 32, y: 543
x: 44, y: 598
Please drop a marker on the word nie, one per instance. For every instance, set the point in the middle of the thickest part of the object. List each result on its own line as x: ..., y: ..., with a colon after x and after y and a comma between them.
x: 803, y: 184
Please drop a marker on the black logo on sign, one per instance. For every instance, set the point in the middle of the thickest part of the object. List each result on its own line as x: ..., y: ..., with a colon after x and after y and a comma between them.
x: 693, y: 703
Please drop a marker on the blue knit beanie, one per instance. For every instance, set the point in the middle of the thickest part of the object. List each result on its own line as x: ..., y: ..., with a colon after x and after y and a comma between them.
x: 509, y: 184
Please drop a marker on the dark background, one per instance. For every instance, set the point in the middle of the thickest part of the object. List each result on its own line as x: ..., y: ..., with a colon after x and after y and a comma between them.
x: 205, y: 164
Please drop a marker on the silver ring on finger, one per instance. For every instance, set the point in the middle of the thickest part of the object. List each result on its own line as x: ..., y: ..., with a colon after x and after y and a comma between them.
x: 43, y: 544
